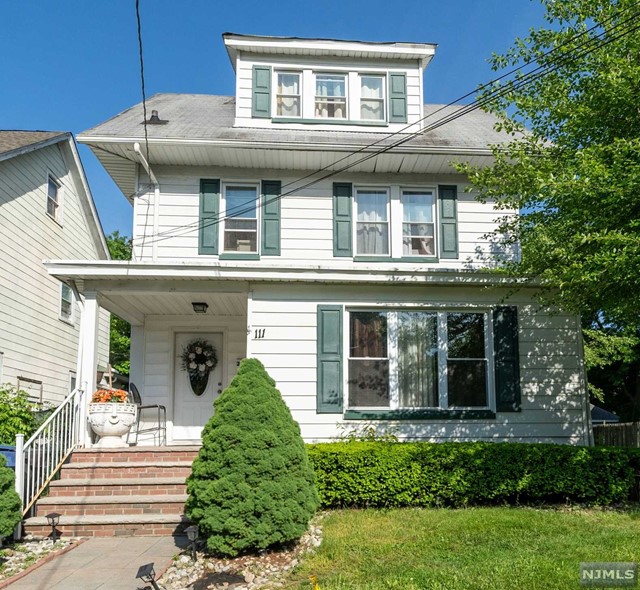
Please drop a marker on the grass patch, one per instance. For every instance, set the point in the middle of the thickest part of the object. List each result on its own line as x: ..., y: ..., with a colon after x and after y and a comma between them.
x: 480, y: 548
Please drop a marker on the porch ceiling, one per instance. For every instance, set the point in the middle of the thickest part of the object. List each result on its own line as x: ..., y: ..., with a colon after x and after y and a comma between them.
x: 136, y: 306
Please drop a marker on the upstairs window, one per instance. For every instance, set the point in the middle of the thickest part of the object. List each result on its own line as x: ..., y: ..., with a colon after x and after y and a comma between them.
x: 53, y: 198
x: 418, y: 226
x: 66, y: 303
x: 331, y: 96
x: 288, y: 91
x: 372, y: 222
x: 372, y: 98
x: 241, y: 218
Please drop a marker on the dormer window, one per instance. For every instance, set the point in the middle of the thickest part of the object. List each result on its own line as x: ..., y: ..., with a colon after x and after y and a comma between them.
x: 331, y: 96
x: 372, y: 98
x: 288, y: 94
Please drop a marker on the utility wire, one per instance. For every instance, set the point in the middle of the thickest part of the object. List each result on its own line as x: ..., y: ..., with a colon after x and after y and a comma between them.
x: 528, y: 78
x: 500, y: 91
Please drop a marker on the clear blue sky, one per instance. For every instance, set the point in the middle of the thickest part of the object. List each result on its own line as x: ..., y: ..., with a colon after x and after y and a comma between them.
x: 68, y: 65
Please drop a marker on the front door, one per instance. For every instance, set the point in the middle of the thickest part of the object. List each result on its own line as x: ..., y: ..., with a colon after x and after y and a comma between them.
x: 193, y: 401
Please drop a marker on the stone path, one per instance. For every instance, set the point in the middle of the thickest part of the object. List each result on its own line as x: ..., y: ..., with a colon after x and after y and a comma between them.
x: 103, y: 564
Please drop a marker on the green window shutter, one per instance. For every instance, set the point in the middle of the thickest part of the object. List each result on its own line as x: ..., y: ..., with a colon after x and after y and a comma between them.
x: 342, y: 208
x: 271, y: 190
x: 397, y: 98
x: 506, y: 358
x: 329, y: 386
x: 209, y: 217
x: 261, y: 99
x: 448, y: 197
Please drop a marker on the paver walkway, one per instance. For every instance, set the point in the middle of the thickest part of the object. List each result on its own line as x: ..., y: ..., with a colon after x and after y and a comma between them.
x: 103, y: 564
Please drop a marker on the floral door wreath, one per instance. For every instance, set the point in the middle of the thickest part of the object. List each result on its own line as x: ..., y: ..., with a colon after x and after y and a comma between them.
x: 198, y: 360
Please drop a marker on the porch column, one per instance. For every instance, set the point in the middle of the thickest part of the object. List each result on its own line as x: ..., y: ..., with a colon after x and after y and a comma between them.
x: 87, y: 359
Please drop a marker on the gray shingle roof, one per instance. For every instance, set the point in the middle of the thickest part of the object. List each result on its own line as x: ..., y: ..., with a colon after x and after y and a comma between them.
x: 206, y: 117
x: 15, y: 140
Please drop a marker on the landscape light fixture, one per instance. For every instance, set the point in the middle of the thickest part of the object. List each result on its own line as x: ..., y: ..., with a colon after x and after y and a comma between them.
x: 200, y: 306
x: 147, y: 574
x: 192, y: 534
x: 53, y: 519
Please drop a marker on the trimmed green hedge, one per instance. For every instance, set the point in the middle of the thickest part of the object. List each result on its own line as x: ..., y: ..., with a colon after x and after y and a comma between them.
x: 378, y: 474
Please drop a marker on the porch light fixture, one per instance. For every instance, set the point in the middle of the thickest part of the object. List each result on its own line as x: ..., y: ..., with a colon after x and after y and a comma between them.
x: 147, y: 574
x: 192, y: 534
x: 200, y: 306
x: 53, y: 519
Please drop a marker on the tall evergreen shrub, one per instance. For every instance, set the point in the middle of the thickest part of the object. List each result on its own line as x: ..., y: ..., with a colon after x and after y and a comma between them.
x: 10, y: 512
x: 252, y: 485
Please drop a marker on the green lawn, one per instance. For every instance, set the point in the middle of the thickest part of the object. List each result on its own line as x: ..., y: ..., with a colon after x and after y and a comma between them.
x: 478, y: 548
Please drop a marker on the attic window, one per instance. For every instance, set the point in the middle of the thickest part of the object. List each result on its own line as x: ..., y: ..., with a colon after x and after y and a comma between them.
x: 288, y: 94
x: 53, y: 198
x: 331, y: 96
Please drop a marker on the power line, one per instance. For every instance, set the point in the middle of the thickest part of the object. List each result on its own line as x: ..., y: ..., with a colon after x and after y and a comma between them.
x: 528, y: 78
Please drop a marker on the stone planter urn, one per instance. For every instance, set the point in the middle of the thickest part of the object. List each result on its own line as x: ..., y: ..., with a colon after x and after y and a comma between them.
x: 111, y: 421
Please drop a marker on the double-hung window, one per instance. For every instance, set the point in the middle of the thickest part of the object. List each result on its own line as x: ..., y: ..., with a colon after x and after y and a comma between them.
x: 372, y: 98
x: 418, y: 359
x: 418, y: 224
x: 53, y: 197
x: 372, y: 222
x: 331, y: 96
x: 66, y: 303
x: 288, y: 94
x: 240, y: 218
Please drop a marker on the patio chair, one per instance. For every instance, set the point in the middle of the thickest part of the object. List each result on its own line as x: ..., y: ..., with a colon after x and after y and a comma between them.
x: 161, y: 417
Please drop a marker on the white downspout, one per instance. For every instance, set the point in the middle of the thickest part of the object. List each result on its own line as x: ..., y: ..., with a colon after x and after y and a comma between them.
x: 156, y: 200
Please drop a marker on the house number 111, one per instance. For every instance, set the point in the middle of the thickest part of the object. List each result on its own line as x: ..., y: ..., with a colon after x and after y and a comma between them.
x: 258, y: 334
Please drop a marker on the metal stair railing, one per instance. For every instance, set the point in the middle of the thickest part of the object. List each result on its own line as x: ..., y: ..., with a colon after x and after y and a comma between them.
x: 39, y: 458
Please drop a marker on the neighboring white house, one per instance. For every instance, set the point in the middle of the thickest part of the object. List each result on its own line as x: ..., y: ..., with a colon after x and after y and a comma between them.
x: 303, y: 223
x: 46, y: 211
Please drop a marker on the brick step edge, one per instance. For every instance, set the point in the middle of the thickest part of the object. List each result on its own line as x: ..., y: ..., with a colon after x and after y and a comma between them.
x: 117, y: 481
x: 106, y: 520
x: 133, y: 499
x: 126, y: 464
x: 110, y: 530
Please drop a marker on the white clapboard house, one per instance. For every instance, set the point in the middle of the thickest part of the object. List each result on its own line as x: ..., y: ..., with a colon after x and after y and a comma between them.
x: 46, y: 211
x: 308, y: 223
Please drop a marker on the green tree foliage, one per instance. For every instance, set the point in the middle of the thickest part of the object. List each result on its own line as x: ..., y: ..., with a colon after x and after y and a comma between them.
x: 252, y: 485
x: 575, y: 174
x: 572, y: 169
x: 120, y: 331
x: 16, y: 415
x: 10, y: 512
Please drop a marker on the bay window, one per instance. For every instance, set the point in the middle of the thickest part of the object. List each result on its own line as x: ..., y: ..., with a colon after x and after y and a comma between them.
x: 240, y: 218
x: 417, y: 359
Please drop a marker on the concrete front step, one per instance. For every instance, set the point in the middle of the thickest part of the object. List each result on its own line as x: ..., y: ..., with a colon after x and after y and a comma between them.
x: 135, y: 454
x: 126, y: 469
x: 104, y: 505
x: 123, y: 486
x: 144, y: 525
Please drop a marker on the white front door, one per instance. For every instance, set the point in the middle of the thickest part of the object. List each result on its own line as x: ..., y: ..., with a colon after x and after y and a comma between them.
x: 190, y: 411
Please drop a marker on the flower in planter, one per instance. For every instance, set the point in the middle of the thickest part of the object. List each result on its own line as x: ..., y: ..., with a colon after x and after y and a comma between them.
x: 108, y: 396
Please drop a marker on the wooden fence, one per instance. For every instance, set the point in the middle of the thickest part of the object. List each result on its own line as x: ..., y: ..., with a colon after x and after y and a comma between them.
x: 626, y: 434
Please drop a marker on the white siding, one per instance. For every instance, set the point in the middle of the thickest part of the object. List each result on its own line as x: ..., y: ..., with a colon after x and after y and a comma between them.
x: 553, y: 390
x: 306, y: 216
x: 155, y: 378
x: 35, y: 343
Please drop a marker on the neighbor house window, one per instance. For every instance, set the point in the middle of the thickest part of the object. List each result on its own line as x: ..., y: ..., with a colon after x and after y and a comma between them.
x: 372, y: 222
x: 241, y: 218
x: 418, y: 359
x: 372, y: 98
x: 288, y: 94
x: 53, y: 198
x: 331, y: 96
x: 418, y: 227
x: 66, y: 303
